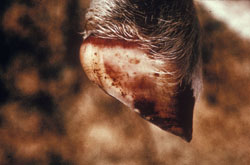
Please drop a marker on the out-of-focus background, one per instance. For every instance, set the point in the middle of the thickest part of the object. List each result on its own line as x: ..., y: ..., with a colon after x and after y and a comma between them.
x: 50, y: 113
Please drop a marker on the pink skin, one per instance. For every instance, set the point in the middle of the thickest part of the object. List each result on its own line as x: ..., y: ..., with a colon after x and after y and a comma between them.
x: 127, y: 73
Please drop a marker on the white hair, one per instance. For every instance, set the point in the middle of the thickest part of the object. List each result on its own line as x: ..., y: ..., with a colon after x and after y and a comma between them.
x: 167, y: 29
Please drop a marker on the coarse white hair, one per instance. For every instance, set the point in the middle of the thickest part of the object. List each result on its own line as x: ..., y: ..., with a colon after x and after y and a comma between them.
x: 167, y: 29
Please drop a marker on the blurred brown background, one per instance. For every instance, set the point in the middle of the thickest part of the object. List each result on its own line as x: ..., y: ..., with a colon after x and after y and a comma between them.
x: 51, y: 114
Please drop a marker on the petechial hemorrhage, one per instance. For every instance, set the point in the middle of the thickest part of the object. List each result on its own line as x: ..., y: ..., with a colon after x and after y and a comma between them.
x: 146, y: 53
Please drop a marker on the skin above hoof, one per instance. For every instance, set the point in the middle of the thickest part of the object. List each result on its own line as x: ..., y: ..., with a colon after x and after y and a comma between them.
x: 131, y: 76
